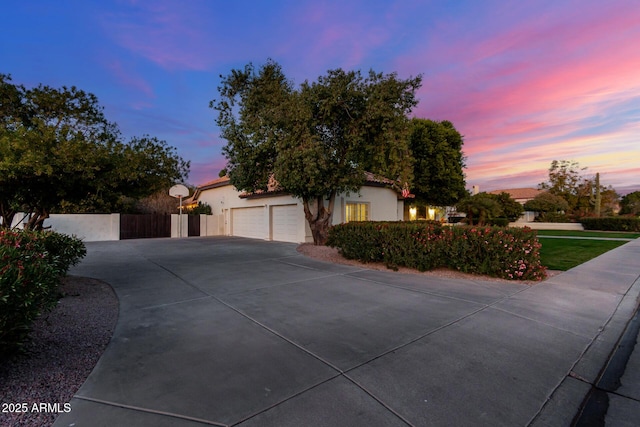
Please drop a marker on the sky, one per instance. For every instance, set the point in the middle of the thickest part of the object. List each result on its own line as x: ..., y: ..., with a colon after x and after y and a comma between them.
x: 525, y: 82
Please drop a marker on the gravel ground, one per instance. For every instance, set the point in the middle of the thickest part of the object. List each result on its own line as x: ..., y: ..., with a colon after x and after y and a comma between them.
x: 65, y: 345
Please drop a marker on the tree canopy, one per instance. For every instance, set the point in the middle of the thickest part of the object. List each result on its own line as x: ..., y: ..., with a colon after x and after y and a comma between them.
x: 318, y: 139
x: 484, y: 207
x: 547, y: 202
x: 584, y: 195
x: 479, y: 208
x: 58, y: 152
x: 630, y: 204
x: 438, y: 177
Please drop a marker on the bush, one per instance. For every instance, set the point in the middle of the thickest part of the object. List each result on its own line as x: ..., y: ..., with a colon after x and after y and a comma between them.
x: 31, y: 265
x: 552, y: 217
x: 62, y: 250
x: 200, y: 209
x: 615, y: 223
x: 547, y: 203
x: 510, y: 253
x: 500, y: 222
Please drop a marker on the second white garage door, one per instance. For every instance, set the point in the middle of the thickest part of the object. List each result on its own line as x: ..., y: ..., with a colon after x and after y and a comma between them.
x: 284, y: 223
x: 248, y: 222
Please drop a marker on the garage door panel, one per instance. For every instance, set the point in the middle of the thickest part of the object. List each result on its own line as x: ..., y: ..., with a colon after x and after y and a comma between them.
x: 248, y: 222
x: 284, y: 221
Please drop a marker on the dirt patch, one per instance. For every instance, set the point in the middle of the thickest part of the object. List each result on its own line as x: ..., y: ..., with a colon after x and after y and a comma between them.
x: 326, y: 253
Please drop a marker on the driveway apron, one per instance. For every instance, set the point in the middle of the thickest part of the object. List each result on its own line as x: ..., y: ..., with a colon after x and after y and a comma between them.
x: 229, y: 331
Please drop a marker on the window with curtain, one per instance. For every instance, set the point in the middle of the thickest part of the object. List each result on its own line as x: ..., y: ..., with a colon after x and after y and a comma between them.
x: 357, y: 212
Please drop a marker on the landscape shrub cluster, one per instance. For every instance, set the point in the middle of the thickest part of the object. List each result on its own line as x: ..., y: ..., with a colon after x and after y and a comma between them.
x: 509, y: 253
x: 31, y: 266
x: 616, y: 223
x: 552, y: 217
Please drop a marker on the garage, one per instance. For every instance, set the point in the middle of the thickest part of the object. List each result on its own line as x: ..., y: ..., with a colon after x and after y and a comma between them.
x: 284, y: 223
x: 248, y: 222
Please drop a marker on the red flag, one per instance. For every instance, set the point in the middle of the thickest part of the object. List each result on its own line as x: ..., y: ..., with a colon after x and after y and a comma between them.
x: 405, y: 191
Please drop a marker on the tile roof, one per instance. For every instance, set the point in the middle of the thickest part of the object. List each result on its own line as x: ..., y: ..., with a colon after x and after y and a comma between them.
x: 215, y: 183
x: 372, y: 178
x: 273, y: 188
x: 218, y: 182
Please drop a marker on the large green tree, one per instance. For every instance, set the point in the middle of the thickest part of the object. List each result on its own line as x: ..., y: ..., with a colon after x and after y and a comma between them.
x: 58, y: 152
x: 438, y: 177
x: 318, y: 139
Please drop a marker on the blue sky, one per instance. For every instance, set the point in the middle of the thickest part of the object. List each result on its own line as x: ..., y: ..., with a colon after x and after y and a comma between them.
x: 525, y: 82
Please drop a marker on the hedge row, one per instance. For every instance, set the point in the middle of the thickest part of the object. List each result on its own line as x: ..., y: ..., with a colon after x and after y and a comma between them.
x: 31, y: 266
x: 509, y: 253
x: 616, y: 223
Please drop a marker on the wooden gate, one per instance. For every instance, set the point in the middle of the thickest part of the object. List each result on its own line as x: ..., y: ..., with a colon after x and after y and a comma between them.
x: 194, y: 225
x: 145, y: 226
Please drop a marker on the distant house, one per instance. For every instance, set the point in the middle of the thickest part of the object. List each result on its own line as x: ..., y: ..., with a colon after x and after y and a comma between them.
x: 520, y: 195
x: 276, y: 215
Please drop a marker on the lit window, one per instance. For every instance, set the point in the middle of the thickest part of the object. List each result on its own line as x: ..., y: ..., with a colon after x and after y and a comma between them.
x: 357, y: 212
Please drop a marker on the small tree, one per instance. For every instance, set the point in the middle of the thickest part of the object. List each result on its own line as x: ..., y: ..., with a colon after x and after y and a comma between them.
x: 484, y: 207
x: 630, y: 204
x: 480, y: 208
x: 547, y: 204
x: 511, y: 209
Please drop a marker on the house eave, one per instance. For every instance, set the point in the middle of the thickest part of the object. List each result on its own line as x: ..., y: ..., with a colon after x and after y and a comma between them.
x: 262, y: 195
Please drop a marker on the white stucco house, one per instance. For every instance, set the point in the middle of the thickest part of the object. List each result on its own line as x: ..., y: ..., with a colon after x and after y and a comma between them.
x: 522, y: 196
x: 275, y: 215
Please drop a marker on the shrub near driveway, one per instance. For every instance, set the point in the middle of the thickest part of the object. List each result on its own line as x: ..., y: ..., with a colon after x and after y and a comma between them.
x: 31, y: 266
x: 509, y: 253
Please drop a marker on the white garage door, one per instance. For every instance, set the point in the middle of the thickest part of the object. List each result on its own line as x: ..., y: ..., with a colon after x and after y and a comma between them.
x: 248, y: 222
x: 284, y: 222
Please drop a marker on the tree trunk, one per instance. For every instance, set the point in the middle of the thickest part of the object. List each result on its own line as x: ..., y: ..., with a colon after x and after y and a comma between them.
x: 319, y: 217
x: 7, y: 216
x: 36, y: 220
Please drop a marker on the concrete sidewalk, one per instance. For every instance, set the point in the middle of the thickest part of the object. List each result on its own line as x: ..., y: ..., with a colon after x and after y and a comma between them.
x: 229, y: 331
x: 619, y: 239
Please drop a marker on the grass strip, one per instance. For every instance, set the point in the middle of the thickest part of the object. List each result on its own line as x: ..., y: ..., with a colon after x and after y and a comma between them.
x: 563, y: 254
x: 575, y: 233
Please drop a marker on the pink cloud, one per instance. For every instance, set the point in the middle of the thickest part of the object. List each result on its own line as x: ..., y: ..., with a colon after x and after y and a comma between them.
x: 206, y: 170
x: 340, y: 34
x: 532, y: 90
x: 130, y: 79
x: 163, y: 32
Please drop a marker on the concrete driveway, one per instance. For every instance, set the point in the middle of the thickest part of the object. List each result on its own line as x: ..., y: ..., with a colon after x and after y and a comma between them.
x: 230, y: 331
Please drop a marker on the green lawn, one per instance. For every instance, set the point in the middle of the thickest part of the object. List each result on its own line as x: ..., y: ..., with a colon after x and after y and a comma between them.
x: 563, y: 254
x: 616, y: 234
